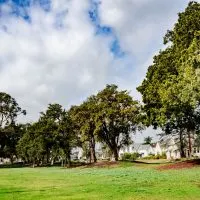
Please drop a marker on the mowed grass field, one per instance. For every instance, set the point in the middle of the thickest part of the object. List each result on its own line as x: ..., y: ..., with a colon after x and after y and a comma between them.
x: 126, y: 181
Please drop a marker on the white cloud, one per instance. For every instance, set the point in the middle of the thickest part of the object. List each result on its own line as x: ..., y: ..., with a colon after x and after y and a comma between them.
x: 140, y: 27
x: 41, y: 63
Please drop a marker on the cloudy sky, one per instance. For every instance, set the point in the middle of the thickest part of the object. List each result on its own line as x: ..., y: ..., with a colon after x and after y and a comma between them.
x: 65, y: 50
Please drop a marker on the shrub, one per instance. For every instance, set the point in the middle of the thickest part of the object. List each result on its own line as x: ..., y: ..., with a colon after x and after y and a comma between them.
x: 163, y: 156
x: 158, y: 156
x: 130, y: 156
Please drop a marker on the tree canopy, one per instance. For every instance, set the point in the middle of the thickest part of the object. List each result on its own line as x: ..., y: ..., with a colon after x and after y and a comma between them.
x: 50, y: 138
x: 117, y: 115
x: 171, y: 89
x: 9, y: 109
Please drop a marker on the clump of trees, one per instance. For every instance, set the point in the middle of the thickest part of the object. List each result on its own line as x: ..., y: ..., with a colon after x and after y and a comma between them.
x: 108, y: 117
x: 51, y: 137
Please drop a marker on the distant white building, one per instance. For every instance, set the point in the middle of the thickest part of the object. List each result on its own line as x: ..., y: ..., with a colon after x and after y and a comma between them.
x: 4, y: 161
x: 170, y: 145
x: 77, y: 153
x: 143, y: 150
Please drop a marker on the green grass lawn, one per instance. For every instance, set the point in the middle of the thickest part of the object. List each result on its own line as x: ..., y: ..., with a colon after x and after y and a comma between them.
x: 127, y: 182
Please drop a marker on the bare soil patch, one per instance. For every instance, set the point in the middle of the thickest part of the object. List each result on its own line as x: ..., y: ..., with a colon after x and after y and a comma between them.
x: 180, y: 165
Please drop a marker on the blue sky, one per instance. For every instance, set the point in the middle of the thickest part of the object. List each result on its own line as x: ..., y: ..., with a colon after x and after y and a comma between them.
x: 63, y: 51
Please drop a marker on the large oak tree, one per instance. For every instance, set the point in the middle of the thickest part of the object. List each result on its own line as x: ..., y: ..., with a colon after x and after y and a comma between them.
x: 117, y: 116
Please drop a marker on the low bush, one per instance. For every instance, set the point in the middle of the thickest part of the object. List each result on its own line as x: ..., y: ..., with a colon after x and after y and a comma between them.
x: 154, y: 157
x: 130, y: 156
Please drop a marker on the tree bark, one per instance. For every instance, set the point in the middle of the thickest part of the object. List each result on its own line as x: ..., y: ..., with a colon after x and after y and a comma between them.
x: 33, y: 164
x: 48, y: 155
x: 11, y: 160
x: 92, y: 150
x: 68, y: 161
x: 115, y: 154
x: 190, y: 144
x: 182, y: 152
x: 68, y: 158
x: 62, y: 162
x: 52, y: 161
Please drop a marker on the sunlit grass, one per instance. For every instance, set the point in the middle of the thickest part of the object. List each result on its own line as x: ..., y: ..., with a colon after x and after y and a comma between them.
x: 124, y: 182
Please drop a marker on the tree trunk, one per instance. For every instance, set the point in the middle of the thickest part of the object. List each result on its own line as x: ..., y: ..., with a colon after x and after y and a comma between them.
x: 190, y: 144
x: 68, y: 157
x: 48, y: 156
x: 68, y: 160
x: 62, y: 162
x: 41, y: 162
x: 33, y: 164
x: 68, y: 163
x: 92, y: 150
x: 115, y: 154
x: 11, y: 160
x: 52, y: 162
x: 182, y: 152
x: 90, y: 158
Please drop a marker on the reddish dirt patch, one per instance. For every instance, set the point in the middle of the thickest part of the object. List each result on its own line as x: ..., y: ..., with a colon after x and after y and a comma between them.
x: 181, y: 165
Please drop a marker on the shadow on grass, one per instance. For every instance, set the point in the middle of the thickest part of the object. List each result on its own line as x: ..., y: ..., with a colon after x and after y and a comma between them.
x: 21, y: 165
x: 150, y: 163
x: 15, y: 165
x: 99, y: 164
x: 25, y: 191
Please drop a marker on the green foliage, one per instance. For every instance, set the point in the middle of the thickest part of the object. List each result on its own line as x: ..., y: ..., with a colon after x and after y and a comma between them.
x: 50, y: 138
x: 9, y: 109
x: 185, y: 29
x: 9, y: 137
x: 117, y: 115
x: 107, y: 117
x: 170, y: 91
x: 148, y: 140
x: 155, y: 157
x: 162, y: 156
x: 31, y: 147
x: 171, y: 87
x: 83, y: 116
x: 130, y: 156
x: 10, y: 132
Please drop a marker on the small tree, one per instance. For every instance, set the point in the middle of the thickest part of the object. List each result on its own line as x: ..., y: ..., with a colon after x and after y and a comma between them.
x: 51, y: 137
x: 31, y: 147
x: 148, y: 140
x: 67, y: 138
x: 84, y: 118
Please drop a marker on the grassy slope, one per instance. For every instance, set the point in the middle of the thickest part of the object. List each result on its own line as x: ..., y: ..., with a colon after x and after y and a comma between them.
x: 125, y: 182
